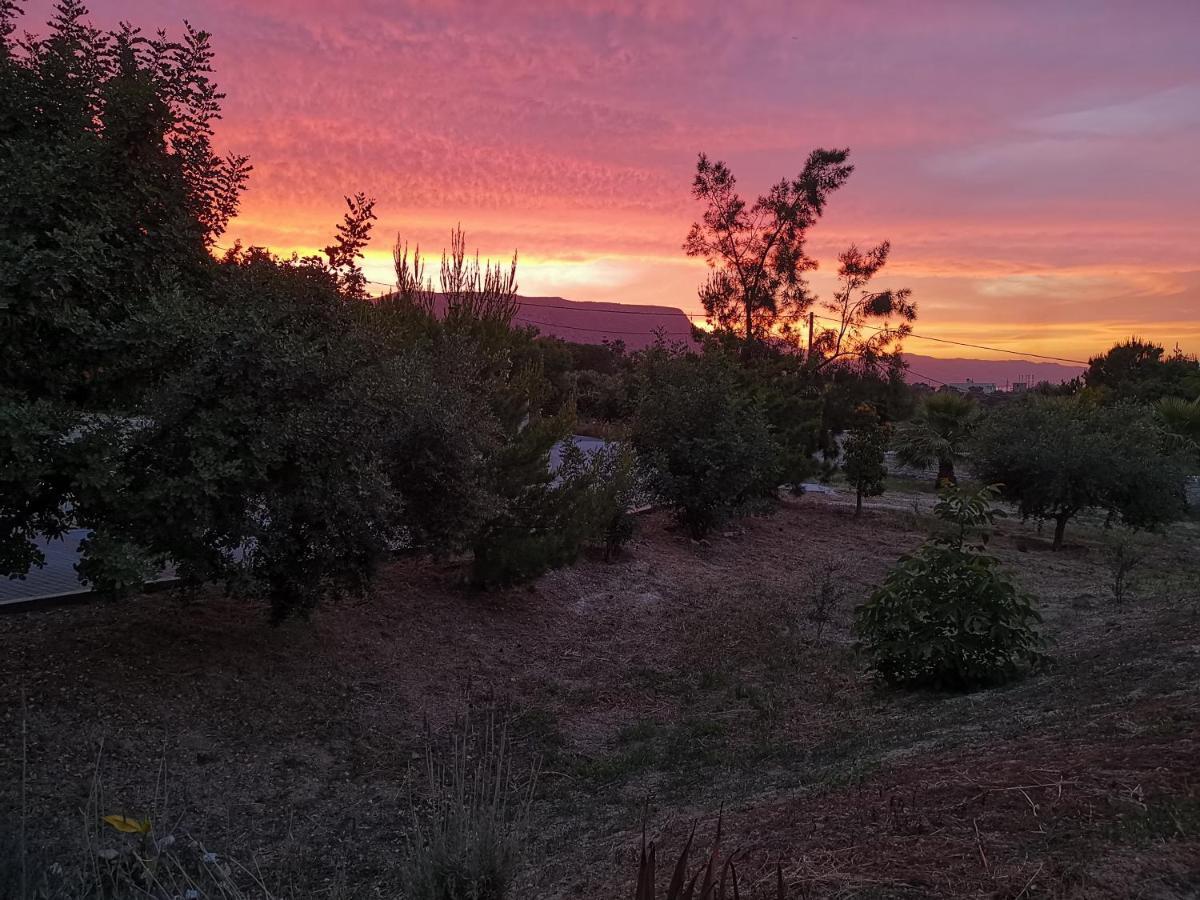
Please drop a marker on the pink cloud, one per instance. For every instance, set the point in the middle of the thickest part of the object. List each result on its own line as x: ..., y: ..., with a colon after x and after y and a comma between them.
x: 1052, y: 144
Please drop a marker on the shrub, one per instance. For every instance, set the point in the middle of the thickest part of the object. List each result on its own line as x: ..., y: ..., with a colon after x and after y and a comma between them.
x: 703, y: 437
x: 607, y: 490
x: 827, y: 582
x: 1122, y: 555
x: 465, y: 841
x: 551, y: 516
x: 945, y: 616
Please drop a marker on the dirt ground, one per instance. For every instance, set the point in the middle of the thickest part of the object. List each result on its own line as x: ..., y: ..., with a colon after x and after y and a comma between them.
x: 676, y: 682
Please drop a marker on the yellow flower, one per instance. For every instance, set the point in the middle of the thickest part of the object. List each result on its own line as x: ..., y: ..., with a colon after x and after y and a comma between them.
x: 128, y: 826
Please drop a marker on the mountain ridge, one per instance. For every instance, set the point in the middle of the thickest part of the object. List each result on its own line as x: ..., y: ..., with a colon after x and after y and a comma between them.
x: 595, y: 321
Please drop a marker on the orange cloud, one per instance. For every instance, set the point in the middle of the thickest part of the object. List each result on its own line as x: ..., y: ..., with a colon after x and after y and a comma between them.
x: 1032, y: 163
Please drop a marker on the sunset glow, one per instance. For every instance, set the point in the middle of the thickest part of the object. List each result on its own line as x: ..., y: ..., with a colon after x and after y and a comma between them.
x: 1033, y: 164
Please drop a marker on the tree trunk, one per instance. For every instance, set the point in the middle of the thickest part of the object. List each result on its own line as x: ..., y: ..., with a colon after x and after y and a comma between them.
x: 858, y: 503
x: 945, y: 475
x: 1060, y: 527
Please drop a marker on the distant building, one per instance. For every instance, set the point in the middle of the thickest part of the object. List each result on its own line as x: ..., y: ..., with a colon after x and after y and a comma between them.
x: 974, y: 387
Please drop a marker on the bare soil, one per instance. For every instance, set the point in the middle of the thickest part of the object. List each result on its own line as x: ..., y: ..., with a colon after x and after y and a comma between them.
x: 679, y: 681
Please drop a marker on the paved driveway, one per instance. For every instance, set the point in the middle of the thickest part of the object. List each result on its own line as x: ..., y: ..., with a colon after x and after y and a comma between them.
x: 57, y: 577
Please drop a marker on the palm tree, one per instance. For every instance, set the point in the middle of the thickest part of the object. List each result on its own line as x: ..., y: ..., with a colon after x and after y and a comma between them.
x: 937, y: 433
x: 1182, y: 418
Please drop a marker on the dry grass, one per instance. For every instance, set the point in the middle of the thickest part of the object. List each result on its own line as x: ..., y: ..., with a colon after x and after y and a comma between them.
x: 687, y: 676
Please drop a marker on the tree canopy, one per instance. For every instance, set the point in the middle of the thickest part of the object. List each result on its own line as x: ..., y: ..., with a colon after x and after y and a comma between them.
x: 1137, y: 370
x: 938, y: 433
x: 249, y: 420
x: 757, y: 251
x: 1055, y: 457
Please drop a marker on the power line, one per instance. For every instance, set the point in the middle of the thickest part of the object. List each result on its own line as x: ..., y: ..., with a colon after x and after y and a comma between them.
x: 793, y: 318
x: 922, y: 337
x: 928, y: 378
x: 925, y: 337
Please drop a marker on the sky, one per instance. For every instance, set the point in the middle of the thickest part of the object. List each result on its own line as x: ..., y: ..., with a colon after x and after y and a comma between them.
x: 1033, y: 163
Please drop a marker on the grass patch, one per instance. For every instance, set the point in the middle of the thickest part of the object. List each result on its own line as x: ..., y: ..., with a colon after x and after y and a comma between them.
x: 1163, y: 819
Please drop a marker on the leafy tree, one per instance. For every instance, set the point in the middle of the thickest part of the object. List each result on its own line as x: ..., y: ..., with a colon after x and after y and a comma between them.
x: 945, y: 616
x: 806, y: 408
x: 757, y: 253
x: 224, y: 417
x: 260, y: 463
x: 1055, y: 457
x: 112, y: 197
x: 1137, y: 370
x: 703, y: 437
x: 939, y: 433
x: 795, y: 401
x: 864, y: 452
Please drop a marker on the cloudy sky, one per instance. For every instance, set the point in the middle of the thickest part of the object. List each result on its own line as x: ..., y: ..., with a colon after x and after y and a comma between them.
x: 1033, y: 163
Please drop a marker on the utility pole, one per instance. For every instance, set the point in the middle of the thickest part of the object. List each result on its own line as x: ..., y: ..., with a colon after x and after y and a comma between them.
x: 808, y: 358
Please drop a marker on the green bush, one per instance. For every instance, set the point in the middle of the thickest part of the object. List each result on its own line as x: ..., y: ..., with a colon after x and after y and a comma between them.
x: 703, y: 437
x: 585, y: 502
x: 945, y: 616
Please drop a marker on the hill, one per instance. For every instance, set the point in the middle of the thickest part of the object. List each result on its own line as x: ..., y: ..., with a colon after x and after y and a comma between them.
x: 932, y: 370
x: 595, y: 322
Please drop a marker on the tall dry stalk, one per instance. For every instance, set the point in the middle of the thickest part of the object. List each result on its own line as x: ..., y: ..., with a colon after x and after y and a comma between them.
x: 466, y: 840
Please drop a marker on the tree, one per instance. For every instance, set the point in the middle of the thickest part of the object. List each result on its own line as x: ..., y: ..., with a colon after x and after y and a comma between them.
x: 492, y: 491
x: 853, y: 307
x: 702, y: 436
x: 227, y: 418
x: 757, y: 253
x: 1055, y: 457
x: 112, y: 197
x: 864, y: 451
x: 259, y: 462
x: 1181, y: 418
x: 1137, y: 370
x: 353, y: 235
x: 946, y: 616
x: 939, y: 432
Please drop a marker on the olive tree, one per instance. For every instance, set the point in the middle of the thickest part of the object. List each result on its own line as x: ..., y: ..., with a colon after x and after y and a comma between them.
x: 1057, y: 456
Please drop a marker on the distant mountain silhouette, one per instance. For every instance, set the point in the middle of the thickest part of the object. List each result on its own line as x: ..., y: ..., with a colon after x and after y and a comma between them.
x: 592, y: 322
x: 1001, y: 372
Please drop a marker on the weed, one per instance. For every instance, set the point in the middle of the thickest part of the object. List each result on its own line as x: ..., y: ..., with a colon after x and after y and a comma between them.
x: 466, y: 838
x: 828, y: 590
x: 1122, y: 555
x: 713, y: 879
